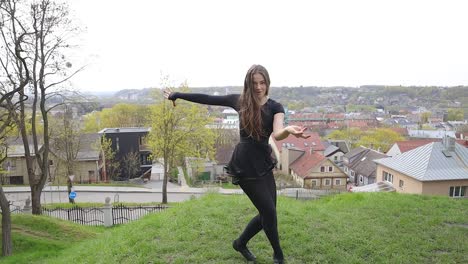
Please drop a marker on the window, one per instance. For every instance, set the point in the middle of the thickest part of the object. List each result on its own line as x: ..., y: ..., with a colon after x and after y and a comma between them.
x: 361, y: 178
x: 401, y: 184
x: 51, y: 163
x: 322, y: 168
x: 338, y: 182
x: 327, y: 182
x: 16, y: 180
x: 387, y: 177
x: 345, y: 169
x: 457, y: 191
x: 314, y: 183
x: 117, y: 145
x: 330, y: 169
x: 335, y: 158
x: 352, y: 173
x: 11, y: 165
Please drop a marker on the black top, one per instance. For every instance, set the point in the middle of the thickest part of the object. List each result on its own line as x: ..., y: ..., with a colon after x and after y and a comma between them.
x: 251, y: 158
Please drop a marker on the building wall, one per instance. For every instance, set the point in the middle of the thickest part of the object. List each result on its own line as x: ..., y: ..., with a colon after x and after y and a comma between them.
x: 393, y: 151
x: 410, y: 185
x: 442, y: 187
x: 17, y: 168
x: 337, y: 158
x: 322, y: 177
x: 84, y: 171
x: 57, y: 170
x: 299, y: 180
x: 124, y: 143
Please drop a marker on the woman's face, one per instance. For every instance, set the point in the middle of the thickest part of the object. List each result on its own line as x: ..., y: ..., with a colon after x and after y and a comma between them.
x: 259, y: 85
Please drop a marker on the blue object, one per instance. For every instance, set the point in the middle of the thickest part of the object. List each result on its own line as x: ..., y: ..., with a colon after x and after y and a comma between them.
x: 72, y: 195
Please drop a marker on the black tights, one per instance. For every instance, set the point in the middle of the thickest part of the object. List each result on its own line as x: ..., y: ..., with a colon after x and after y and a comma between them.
x: 262, y: 193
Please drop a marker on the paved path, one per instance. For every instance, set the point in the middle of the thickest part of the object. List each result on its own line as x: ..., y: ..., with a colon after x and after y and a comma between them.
x: 148, y: 192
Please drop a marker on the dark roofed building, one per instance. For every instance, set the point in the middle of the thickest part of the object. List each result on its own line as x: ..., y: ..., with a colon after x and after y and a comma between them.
x: 128, y: 141
x: 360, y: 166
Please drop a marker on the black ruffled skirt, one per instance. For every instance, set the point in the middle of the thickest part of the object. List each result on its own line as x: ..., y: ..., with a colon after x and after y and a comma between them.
x: 250, y: 160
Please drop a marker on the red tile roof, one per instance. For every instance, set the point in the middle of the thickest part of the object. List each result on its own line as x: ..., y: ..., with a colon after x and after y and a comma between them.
x: 400, y: 130
x: 317, y: 115
x: 408, y: 145
x: 359, y: 124
x: 301, y: 143
x: 463, y: 142
x: 306, y: 162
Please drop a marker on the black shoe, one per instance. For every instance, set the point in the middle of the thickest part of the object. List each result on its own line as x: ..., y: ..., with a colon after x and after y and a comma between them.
x: 244, y: 251
x: 278, y: 260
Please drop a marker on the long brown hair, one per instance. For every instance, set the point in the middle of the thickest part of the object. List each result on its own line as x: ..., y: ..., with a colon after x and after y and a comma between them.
x: 250, y: 104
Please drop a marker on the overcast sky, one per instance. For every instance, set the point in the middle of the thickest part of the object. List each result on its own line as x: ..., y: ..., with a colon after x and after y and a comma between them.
x: 130, y: 44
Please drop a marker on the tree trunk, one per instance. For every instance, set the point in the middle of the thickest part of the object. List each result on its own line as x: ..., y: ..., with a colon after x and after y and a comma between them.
x: 164, y: 190
x: 36, y: 199
x: 69, y: 188
x: 7, y: 245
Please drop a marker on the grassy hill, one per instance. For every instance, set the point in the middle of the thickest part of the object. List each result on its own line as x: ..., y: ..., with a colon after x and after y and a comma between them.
x: 346, y: 228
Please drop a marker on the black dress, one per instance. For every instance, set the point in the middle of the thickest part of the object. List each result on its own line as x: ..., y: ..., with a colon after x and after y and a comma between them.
x: 251, y: 158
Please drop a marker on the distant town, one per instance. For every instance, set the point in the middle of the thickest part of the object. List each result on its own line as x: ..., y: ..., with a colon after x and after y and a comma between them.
x: 368, y: 136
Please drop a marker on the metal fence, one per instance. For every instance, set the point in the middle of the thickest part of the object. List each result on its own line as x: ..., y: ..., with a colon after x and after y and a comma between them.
x: 95, y: 215
x: 85, y: 216
x: 123, y: 214
x: 306, y: 194
x: 15, y: 209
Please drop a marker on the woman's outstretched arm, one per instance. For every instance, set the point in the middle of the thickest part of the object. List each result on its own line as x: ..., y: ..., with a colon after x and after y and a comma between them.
x: 222, y: 100
x: 280, y: 132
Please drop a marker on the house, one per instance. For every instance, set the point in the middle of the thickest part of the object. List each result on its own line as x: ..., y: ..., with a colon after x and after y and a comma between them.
x: 335, y: 149
x: 416, y: 133
x: 437, y: 168
x: 312, y: 170
x: 86, y: 164
x: 223, y: 156
x: 14, y: 164
x: 282, y: 148
x: 359, y: 165
x: 128, y: 142
x: 199, y: 169
x: 407, y: 145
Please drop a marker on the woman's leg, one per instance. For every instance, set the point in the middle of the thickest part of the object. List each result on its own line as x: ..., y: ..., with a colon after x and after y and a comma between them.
x: 262, y: 193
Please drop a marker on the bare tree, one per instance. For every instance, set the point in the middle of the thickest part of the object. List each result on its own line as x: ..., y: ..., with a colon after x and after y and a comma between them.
x: 12, y: 59
x: 131, y: 164
x: 111, y: 165
x: 34, y: 39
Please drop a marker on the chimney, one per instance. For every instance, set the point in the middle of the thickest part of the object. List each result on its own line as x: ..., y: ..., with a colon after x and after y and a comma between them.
x: 449, y: 144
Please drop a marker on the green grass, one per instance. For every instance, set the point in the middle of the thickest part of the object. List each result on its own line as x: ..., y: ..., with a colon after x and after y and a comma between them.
x: 41, y: 237
x: 345, y: 228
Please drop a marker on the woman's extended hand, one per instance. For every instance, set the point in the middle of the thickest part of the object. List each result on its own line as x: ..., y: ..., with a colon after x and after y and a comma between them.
x: 297, y: 131
x: 167, y: 93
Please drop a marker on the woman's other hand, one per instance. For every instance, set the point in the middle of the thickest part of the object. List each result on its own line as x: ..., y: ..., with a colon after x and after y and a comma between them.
x: 297, y: 131
x: 167, y: 94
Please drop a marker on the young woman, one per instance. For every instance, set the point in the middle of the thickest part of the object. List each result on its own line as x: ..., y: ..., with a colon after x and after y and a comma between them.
x: 251, y: 163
